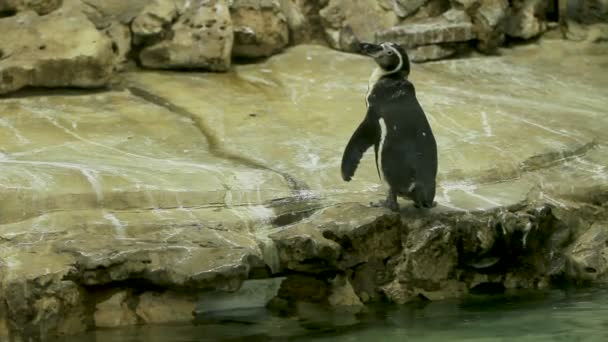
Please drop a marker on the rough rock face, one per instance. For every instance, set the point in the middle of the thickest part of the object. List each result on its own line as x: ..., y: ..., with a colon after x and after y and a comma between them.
x: 431, y: 52
x: 303, y: 20
x: 53, y: 51
x: 452, y: 26
x: 113, y: 18
x: 404, y: 8
x: 527, y: 19
x: 346, y: 21
x: 202, y: 36
x: 41, y: 7
x: 260, y: 28
x: 588, y: 256
x: 488, y: 20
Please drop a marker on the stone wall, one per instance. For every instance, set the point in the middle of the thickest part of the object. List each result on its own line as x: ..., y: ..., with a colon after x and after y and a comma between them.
x: 80, y: 43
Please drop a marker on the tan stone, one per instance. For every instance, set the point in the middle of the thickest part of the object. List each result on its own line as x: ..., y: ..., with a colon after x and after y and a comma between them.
x: 342, y: 293
x: 114, y: 312
x: 260, y: 28
x: 452, y: 26
x: 61, y: 49
x: 346, y: 21
x: 527, y: 19
x: 201, y: 38
x: 155, y: 308
x: 588, y: 255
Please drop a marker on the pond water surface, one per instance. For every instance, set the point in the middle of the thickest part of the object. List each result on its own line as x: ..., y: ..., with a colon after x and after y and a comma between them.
x: 558, y: 315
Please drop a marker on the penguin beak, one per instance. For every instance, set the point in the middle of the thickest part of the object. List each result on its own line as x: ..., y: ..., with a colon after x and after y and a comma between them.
x: 369, y: 49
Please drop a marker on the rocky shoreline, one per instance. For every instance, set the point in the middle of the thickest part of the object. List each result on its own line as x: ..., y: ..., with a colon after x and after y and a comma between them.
x: 133, y: 200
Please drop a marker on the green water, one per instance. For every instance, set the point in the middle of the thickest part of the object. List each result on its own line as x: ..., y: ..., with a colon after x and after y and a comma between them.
x: 574, y: 315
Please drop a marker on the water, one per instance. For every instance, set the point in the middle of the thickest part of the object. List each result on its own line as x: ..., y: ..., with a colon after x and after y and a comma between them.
x: 575, y: 315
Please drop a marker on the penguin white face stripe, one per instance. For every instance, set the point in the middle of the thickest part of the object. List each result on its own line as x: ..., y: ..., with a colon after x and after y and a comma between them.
x: 379, y: 72
x: 389, y: 46
x: 381, y: 145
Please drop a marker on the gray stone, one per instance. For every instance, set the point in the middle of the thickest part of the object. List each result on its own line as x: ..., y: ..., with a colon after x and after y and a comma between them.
x: 260, y: 28
x: 202, y: 37
x: 60, y: 49
x: 452, y: 26
x: 304, y: 20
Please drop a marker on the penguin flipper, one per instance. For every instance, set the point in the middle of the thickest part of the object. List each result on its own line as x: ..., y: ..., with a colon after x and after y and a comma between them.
x: 366, y: 135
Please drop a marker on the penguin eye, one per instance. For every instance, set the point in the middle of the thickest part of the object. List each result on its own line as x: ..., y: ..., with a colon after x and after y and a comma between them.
x: 390, y: 52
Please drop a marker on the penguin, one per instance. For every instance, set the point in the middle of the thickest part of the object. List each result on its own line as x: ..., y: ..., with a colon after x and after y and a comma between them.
x: 397, y: 127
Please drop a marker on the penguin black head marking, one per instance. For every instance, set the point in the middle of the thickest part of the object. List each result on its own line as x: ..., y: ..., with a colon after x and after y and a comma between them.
x: 390, y: 57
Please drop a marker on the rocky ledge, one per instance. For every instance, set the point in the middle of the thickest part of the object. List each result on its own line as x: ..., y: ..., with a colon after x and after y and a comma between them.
x: 131, y: 205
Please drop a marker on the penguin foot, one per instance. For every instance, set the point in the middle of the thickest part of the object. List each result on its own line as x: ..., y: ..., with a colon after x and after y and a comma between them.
x: 392, y: 205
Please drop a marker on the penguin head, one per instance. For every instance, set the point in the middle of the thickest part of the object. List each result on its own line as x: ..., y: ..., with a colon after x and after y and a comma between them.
x: 390, y: 57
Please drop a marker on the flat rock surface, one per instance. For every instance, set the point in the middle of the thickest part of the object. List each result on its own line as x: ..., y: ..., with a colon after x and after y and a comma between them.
x: 182, y: 179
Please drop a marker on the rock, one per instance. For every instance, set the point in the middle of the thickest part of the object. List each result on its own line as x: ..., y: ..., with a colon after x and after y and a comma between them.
x: 302, y: 288
x: 430, y: 52
x: 527, y: 19
x: 113, y: 18
x: 44, y: 306
x: 114, y: 312
x: 342, y: 293
x: 53, y: 51
x: 488, y: 21
x: 201, y: 37
x: 404, y: 8
x: 260, y: 28
x: 588, y: 255
x: 41, y: 7
x: 167, y: 307
x: 303, y: 20
x: 348, y: 20
x: 104, y: 13
x: 154, y: 22
x: 254, y: 293
x: 340, y: 244
x: 452, y: 26
x: 120, y: 34
x: 587, y: 11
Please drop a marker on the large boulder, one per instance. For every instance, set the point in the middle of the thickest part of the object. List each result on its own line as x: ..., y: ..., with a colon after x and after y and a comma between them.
x: 260, y: 28
x: 588, y: 256
x: 527, y: 19
x: 60, y: 49
x: 303, y: 20
x: 452, y: 26
x: 347, y: 21
x: 198, y: 34
x: 488, y: 21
